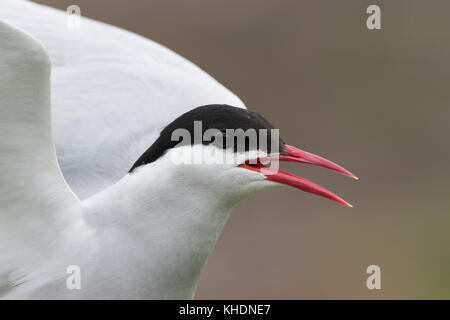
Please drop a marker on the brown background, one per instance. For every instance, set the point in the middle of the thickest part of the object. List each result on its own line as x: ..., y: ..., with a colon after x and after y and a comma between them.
x: 376, y: 102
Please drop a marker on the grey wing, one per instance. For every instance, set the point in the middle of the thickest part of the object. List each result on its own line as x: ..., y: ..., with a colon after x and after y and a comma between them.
x: 112, y: 92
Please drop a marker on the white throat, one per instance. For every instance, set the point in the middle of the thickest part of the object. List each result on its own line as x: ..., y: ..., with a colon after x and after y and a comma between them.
x: 162, y: 227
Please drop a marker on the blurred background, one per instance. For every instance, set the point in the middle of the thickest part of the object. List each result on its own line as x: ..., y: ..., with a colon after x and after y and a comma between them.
x: 375, y: 101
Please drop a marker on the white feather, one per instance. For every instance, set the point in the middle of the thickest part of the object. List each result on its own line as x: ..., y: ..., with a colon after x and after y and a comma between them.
x: 148, y: 234
x: 112, y: 92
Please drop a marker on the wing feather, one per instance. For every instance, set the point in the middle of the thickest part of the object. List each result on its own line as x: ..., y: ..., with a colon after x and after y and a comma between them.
x: 36, y: 206
x: 112, y: 92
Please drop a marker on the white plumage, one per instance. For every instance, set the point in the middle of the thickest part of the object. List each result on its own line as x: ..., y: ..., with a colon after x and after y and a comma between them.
x: 146, y: 234
x: 111, y: 93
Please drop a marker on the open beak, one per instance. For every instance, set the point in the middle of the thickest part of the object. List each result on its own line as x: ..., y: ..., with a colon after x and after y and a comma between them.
x: 293, y: 154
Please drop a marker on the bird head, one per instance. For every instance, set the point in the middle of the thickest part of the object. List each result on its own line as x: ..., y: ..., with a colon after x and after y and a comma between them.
x: 231, y: 152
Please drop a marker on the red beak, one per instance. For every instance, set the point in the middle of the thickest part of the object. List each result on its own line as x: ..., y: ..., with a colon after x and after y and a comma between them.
x: 293, y: 154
